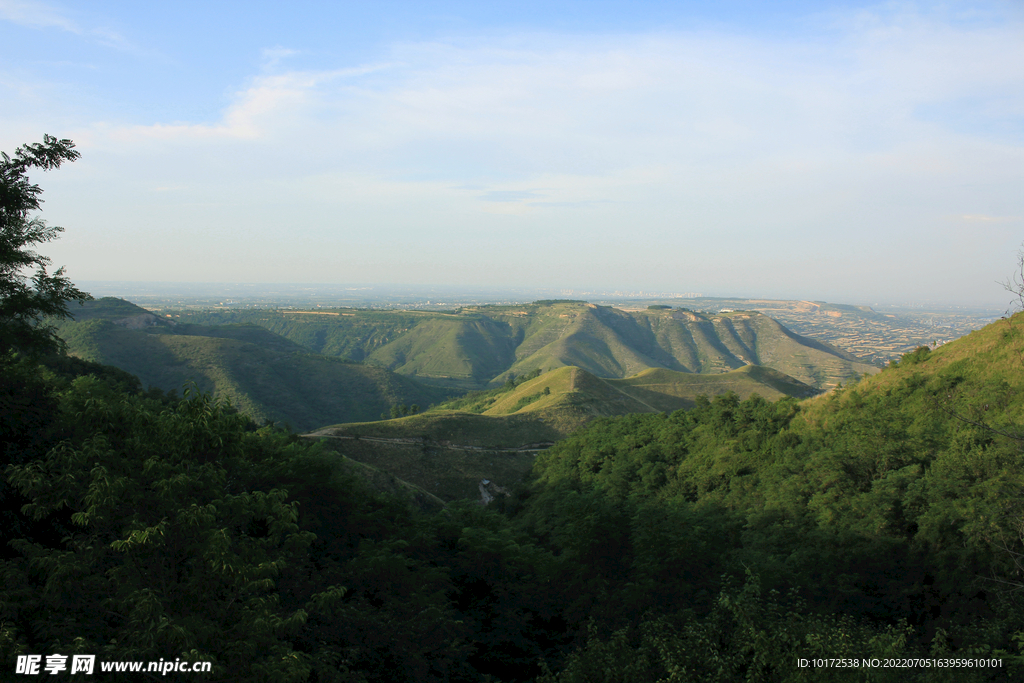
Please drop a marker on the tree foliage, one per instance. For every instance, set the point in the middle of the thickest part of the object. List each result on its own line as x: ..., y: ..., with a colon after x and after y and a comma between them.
x: 716, y: 544
x: 144, y: 528
x: 26, y: 298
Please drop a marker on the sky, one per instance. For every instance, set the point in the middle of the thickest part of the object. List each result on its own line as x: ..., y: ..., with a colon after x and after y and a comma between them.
x: 842, y: 151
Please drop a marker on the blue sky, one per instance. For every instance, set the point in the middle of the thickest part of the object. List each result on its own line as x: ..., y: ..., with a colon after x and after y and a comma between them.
x: 849, y: 152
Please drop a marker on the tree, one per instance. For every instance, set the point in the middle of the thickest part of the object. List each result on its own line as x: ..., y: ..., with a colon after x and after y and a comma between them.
x: 25, y: 300
x: 1015, y: 286
x: 172, y: 543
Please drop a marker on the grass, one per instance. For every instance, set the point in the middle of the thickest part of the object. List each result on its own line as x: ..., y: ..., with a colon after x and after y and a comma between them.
x: 480, y: 401
x: 262, y: 374
x: 574, y: 361
x: 482, y: 346
x: 453, y: 428
x: 447, y: 452
x: 978, y: 377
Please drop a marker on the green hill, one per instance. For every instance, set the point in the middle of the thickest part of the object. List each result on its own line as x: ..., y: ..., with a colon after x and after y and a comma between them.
x: 667, y: 390
x: 347, y: 333
x: 616, y: 344
x: 260, y: 373
x: 494, y: 434
x: 459, y: 348
x: 485, y: 345
x: 568, y: 386
x: 976, y: 379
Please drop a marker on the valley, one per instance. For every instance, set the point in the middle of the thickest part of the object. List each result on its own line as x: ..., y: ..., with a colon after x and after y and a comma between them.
x: 869, y: 519
x: 534, y: 374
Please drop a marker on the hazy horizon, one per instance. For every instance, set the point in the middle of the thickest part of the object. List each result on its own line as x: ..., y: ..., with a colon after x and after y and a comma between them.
x: 848, y: 152
x: 310, y: 293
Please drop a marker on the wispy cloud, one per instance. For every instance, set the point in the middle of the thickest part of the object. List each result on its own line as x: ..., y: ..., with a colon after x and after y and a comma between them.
x: 510, y: 195
x: 39, y: 15
x: 273, y: 107
x: 36, y: 15
x: 564, y: 105
x: 272, y: 56
x: 978, y: 218
x: 671, y: 146
x: 704, y: 118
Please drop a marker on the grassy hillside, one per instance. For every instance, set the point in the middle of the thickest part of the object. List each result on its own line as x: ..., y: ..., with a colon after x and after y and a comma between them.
x: 978, y: 379
x: 576, y: 397
x: 347, y: 333
x: 667, y: 391
x: 473, y: 348
x: 262, y: 374
x: 611, y: 343
x: 493, y: 434
x: 449, y: 428
x: 448, y: 452
x: 485, y: 345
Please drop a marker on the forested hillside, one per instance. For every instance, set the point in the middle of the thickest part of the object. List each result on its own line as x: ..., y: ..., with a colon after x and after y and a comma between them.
x: 725, y: 542
x: 894, y: 505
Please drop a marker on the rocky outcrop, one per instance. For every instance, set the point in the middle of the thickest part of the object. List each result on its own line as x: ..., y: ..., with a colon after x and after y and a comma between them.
x: 489, y: 491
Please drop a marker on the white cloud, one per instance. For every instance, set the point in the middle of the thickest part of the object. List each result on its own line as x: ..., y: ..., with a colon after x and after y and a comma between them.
x: 653, y: 149
x: 38, y: 15
x: 272, y: 56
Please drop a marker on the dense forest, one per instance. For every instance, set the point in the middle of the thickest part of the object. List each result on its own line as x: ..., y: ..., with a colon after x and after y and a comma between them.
x: 726, y: 542
x: 719, y: 543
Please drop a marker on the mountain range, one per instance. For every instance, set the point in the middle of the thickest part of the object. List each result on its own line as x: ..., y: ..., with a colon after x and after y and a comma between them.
x: 264, y: 375
x: 482, y: 346
x: 316, y: 368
